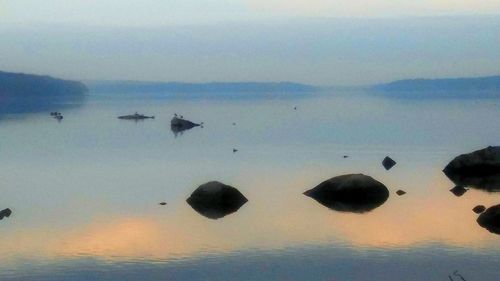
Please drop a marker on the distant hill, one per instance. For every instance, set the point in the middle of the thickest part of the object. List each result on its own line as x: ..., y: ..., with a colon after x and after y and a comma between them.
x: 491, y: 83
x: 20, y: 84
x: 23, y: 93
x: 213, y: 87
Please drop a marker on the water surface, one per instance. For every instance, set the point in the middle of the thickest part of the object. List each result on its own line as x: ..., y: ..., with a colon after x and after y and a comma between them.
x: 85, y: 191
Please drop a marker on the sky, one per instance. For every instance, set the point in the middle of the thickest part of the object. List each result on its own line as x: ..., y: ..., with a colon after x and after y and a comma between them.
x: 342, y: 42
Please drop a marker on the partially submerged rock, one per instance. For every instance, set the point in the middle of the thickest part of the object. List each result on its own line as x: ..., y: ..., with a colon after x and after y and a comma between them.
x: 458, y: 190
x: 400, y: 192
x: 178, y: 125
x: 355, y: 193
x: 479, y: 169
x: 135, y: 116
x: 490, y: 219
x: 388, y: 163
x: 479, y: 209
x: 5, y: 213
x: 215, y: 200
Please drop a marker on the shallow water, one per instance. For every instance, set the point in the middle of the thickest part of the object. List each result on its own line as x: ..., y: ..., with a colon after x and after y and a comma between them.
x: 85, y: 191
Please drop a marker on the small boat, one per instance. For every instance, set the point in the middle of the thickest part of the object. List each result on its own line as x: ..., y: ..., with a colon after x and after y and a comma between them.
x: 135, y: 116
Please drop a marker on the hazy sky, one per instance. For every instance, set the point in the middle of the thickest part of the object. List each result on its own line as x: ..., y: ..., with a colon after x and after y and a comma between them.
x: 152, y: 12
x: 313, y: 41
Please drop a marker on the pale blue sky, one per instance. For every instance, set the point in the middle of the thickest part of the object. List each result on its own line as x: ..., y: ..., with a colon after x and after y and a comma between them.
x: 154, y: 12
x: 343, y: 42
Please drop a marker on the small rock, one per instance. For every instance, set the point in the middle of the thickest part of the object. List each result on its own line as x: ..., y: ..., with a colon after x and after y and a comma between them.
x: 388, y: 163
x: 400, y: 192
x: 163, y: 203
x: 5, y: 213
x: 479, y: 209
x: 458, y: 190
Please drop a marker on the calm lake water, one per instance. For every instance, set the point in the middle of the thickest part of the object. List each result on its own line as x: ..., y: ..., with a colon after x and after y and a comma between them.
x: 85, y: 191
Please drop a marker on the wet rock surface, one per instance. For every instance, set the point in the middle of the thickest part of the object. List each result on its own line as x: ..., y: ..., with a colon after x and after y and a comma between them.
x: 355, y: 193
x: 400, y: 192
x: 388, y: 163
x: 5, y: 213
x: 458, y: 190
x: 215, y: 200
x: 479, y: 169
x: 179, y: 125
x: 490, y: 219
x: 479, y: 209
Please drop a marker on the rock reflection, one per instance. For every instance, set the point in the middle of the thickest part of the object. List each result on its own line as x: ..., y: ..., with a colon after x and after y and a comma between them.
x: 215, y: 200
x: 355, y: 193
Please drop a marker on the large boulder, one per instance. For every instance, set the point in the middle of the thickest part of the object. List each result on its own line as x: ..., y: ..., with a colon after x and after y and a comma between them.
x: 478, y: 169
x: 355, y: 193
x: 215, y: 200
x: 490, y: 219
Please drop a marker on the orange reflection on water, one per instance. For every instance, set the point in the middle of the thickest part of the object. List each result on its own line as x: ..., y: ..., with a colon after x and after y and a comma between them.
x: 274, y: 218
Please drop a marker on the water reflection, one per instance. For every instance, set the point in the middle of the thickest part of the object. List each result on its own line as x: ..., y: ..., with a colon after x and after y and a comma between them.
x: 29, y: 105
x: 490, y: 183
x: 95, y: 217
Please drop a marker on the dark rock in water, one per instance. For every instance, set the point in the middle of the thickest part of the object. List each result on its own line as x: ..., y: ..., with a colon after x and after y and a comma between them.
x: 163, y: 203
x: 235, y: 150
x: 479, y: 169
x: 388, y: 163
x: 5, y: 213
x: 355, y: 193
x: 400, y: 192
x: 135, y: 116
x: 479, y: 209
x: 458, y: 190
x: 215, y: 200
x: 179, y: 122
x: 490, y: 219
x: 178, y: 125
x: 346, y: 156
